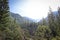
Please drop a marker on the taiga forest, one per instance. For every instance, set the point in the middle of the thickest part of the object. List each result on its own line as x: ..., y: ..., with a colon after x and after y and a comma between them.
x: 13, y: 26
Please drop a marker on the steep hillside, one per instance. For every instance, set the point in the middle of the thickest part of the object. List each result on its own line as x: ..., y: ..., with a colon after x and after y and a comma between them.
x: 20, y: 19
x: 25, y: 22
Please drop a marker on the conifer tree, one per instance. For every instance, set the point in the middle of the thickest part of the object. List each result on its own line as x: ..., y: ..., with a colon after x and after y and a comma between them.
x: 43, y: 32
x: 4, y: 14
x: 43, y: 22
x: 51, y: 21
x: 58, y: 22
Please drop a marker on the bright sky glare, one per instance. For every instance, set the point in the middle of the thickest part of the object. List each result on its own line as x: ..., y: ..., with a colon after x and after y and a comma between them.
x: 35, y: 9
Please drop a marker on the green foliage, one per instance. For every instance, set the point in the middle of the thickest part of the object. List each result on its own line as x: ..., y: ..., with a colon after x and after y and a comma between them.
x: 43, y: 22
x: 52, y: 23
x: 43, y: 32
x: 18, y: 33
x: 4, y: 14
x: 58, y: 22
x: 54, y: 39
x: 13, y: 32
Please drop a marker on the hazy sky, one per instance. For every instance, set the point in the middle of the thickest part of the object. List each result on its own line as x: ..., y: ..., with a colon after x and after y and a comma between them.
x: 35, y: 9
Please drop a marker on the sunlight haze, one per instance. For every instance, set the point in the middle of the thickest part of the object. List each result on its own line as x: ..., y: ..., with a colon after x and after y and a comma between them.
x: 35, y: 9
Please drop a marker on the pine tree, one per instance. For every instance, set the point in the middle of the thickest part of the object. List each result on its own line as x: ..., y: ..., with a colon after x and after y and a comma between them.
x: 4, y: 14
x: 43, y: 32
x: 43, y: 22
x: 58, y: 22
x: 51, y: 21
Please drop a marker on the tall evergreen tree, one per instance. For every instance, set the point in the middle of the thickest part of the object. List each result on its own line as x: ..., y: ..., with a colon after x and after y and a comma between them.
x: 43, y: 32
x: 4, y: 13
x: 58, y: 22
x: 43, y: 22
x: 51, y: 21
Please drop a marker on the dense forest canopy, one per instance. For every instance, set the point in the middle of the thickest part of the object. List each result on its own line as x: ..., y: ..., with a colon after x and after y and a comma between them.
x: 16, y: 27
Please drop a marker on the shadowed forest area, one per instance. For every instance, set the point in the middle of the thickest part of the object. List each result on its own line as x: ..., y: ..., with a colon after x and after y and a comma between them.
x: 16, y: 27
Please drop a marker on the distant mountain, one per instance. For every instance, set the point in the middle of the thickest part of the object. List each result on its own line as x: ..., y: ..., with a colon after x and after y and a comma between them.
x: 25, y: 22
x: 20, y: 19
